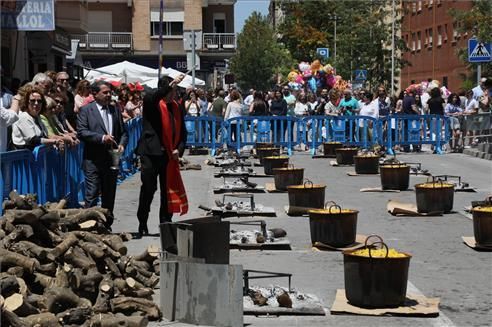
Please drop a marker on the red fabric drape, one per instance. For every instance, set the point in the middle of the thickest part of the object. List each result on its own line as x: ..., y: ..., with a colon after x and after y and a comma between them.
x: 176, y: 194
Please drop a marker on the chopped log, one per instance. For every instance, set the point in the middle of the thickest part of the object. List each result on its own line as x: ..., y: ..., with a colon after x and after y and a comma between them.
x: 16, y: 271
x: 143, y: 265
x: 112, y: 267
x: 75, y: 316
x: 18, y: 216
x: 2, y: 234
x: 80, y: 280
x: 110, y: 320
x: 21, y: 202
x: 157, y: 266
x: 16, y: 304
x: 49, y: 268
x: 9, y: 258
x: 147, y: 281
x: 51, y: 217
x: 92, y: 249
x: 20, y: 232
x: 131, y: 304
x: 77, y: 257
x: 36, y: 300
x: 88, y: 225
x: 130, y: 287
x: 116, y: 243
x: 60, y: 205
x: 22, y: 286
x: 44, y: 280
x: 45, y: 319
x: 30, y: 249
x: 106, y: 292
x: 8, y: 285
x: 6, y: 225
x: 59, y: 299
x: 82, y: 216
x: 126, y: 237
x: 11, y: 319
x: 61, y: 248
x: 150, y: 254
x: 61, y: 278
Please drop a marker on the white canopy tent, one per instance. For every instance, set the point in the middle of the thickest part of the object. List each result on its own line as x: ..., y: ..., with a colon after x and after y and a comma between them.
x: 129, y: 72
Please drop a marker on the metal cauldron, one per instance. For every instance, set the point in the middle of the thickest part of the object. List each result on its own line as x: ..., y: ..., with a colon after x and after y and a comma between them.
x: 395, y: 175
x: 372, y: 282
x: 333, y: 225
x: 284, y: 177
x: 306, y: 196
x: 261, y: 145
x: 261, y: 153
x: 435, y: 196
x: 330, y: 147
x: 482, y: 223
x: 345, y: 156
x: 366, y: 163
x: 274, y: 162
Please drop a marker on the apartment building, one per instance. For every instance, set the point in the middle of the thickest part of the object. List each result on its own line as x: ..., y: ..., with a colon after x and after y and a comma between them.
x: 433, y: 41
x: 129, y: 30
x: 94, y: 33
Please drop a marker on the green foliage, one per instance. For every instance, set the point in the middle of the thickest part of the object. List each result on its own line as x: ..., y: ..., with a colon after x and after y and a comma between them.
x: 258, y: 56
x: 363, y: 35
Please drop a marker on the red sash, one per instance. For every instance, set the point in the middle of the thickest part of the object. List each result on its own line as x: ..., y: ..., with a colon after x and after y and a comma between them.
x: 176, y: 194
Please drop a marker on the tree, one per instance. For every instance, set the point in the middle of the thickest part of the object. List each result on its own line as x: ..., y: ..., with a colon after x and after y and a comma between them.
x: 363, y: 35
x: 258, y: 56
x: 478, y: 20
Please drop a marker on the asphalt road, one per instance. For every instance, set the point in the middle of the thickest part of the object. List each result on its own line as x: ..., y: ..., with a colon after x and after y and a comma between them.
x: 442, y: 265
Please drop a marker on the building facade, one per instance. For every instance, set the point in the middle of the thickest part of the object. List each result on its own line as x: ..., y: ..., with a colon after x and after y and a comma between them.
x: 433, y: 41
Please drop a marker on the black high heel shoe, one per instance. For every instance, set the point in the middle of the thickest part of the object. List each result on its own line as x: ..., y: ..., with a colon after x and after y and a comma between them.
x: 143, y: 230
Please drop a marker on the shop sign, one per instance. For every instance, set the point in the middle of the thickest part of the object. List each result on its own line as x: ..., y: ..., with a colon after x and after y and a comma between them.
x: 28, y: 15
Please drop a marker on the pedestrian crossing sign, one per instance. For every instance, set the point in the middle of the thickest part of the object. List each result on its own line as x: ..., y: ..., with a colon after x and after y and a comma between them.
x: 479, y: 51
x: 361, y: 75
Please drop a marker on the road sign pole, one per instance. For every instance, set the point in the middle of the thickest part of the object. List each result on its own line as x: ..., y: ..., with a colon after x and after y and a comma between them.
x: 479, y: 73
x: 193, y: 45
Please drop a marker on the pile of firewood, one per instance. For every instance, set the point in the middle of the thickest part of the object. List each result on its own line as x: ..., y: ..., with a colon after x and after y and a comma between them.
x: 61, y: 267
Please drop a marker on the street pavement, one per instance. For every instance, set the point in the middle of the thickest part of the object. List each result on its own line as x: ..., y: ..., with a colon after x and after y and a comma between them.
x: 442, y: 265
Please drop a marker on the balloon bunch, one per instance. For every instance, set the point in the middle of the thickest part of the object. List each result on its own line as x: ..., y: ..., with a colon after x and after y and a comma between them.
x: 314, y: 76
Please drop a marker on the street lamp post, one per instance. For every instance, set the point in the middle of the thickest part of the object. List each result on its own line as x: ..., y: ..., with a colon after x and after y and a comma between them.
x: 335, y: 18
x: 393, y: 48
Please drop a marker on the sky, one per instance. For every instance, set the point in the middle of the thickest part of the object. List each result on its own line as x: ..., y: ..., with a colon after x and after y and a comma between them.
x: 244, y: 8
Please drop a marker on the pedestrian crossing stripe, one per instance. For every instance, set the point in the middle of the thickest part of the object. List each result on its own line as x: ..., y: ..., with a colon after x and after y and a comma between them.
x: 480, y: 50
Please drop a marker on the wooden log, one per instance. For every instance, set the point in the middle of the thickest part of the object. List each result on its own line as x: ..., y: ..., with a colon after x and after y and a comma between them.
x: 77, y: 257
x: 59, y: 299
x: 157, y: 266
x: 126, y: 237
x: 2, y: 234
x: 143, y: 265
x: 112, y: 267
x: 151, y: 281
x: 92, y: 249
x: 20, y: 202
x: 45, y: 281
x: 16, y: 304
x: 45, y: 319
x: 75, y: 316
x: 130, y: 287
x: 30, y: 249
x: 36, y: 300
x: 61, y: 248
x: 6, y: 225
x: 51, y: 217
x: 8, y: 285
x: 9, y: 258
x: 131, y: 304
x: 106, y: 293
x: 20, y: 232
x: 11, y: 319
x: 82, y: 216
x: 18, y: 216
x: 149, y: 255
x: 60, y: 205
x: 116, y: 243
x: 79, y: 280
x: 110, y: 320
x: 16, y: 271
x: 22, y: 287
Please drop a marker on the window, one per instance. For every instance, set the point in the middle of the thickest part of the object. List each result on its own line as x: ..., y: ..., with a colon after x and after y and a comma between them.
x: 413, y: 41
x: 414, y: 7
x: 445, y: 35
x: 168, y: 28
x: 456, y: 34
x: 445, y: 81
x: 430, y: 37
x: 438, y: 2
x: 439, y: 35
x: 431, y: 2
x: 419, y: 41
x: 419, y: 8
x: 426, y: 40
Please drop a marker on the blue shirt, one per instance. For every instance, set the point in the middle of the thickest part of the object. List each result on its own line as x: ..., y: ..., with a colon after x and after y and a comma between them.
x: 349, y: 106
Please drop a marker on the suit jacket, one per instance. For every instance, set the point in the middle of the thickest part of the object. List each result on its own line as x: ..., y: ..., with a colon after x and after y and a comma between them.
x: 90, y: 129
x: 150, y: 142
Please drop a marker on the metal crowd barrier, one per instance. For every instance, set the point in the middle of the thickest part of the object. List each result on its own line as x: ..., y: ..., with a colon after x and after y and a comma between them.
x: 54, y: 175
x: 288, y: 131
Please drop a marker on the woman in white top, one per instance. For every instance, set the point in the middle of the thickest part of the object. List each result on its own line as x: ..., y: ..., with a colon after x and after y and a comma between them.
x: 191, y: 105
x: 234, y: 109
x: 83, y: 95
x: 301, y: 109
x: 29, y: 132
x: 369, y: 109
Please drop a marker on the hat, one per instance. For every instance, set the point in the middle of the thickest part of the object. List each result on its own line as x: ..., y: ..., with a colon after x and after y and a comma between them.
x: 483, y: 79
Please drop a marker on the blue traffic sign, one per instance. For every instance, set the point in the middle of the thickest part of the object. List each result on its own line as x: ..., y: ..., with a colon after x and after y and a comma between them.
x: 479, y: 51
x: 323, y: 52
x: 360, y: 75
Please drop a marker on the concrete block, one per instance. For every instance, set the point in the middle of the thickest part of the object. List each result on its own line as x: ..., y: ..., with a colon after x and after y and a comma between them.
x: 203, y: 294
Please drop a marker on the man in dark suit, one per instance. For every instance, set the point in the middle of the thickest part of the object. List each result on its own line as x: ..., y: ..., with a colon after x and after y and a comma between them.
x: 100, y: 126
x: 155, y: 154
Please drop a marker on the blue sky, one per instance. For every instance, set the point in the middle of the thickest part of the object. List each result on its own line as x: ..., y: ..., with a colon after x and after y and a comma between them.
x: 244, y: 8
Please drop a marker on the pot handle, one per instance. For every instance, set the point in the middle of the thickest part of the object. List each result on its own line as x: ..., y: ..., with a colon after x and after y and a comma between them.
x: 488, y: 199
x: 335, y: 206
x: 373, y: 236
x: 290, y: 166
x: 383, y: 245
x: 308, y: 182
x: 333, y: 203
x: 275, y: 154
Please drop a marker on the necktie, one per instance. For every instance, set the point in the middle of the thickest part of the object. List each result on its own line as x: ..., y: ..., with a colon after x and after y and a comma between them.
x: 105, y: 113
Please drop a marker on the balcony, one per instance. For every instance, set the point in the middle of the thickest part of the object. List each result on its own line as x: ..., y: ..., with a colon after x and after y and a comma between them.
x: 220, y: 42
x: 105, y: 41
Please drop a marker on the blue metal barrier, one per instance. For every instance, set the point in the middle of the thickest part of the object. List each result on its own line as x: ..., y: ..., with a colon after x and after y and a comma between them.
x: 207, y: 131
x: 54, y: 175
x: 361, y: 131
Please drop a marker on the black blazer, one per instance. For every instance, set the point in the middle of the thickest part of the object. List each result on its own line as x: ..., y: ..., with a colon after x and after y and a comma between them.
x: 150, y: 142
x: 90, y: 129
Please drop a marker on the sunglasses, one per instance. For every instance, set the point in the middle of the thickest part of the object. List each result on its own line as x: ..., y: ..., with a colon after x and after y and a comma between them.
x: 63, y: 79
x: 59, y: 102
x: 35, y: 101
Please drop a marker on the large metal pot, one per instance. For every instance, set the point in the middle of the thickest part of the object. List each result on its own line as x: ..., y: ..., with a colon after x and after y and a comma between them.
x: 345, y: 156
x: 366, y: 163
x: 284, y: 177
x: 266, y: 152
x: 333, y: 225
x: 395, y: 176
x: 436, y: 196
x: 306, y: 196
x: 330, y: 147
x: 261, y: 145
x: 482, y: 224
x: 375, y: 282
x: 274, y: 162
